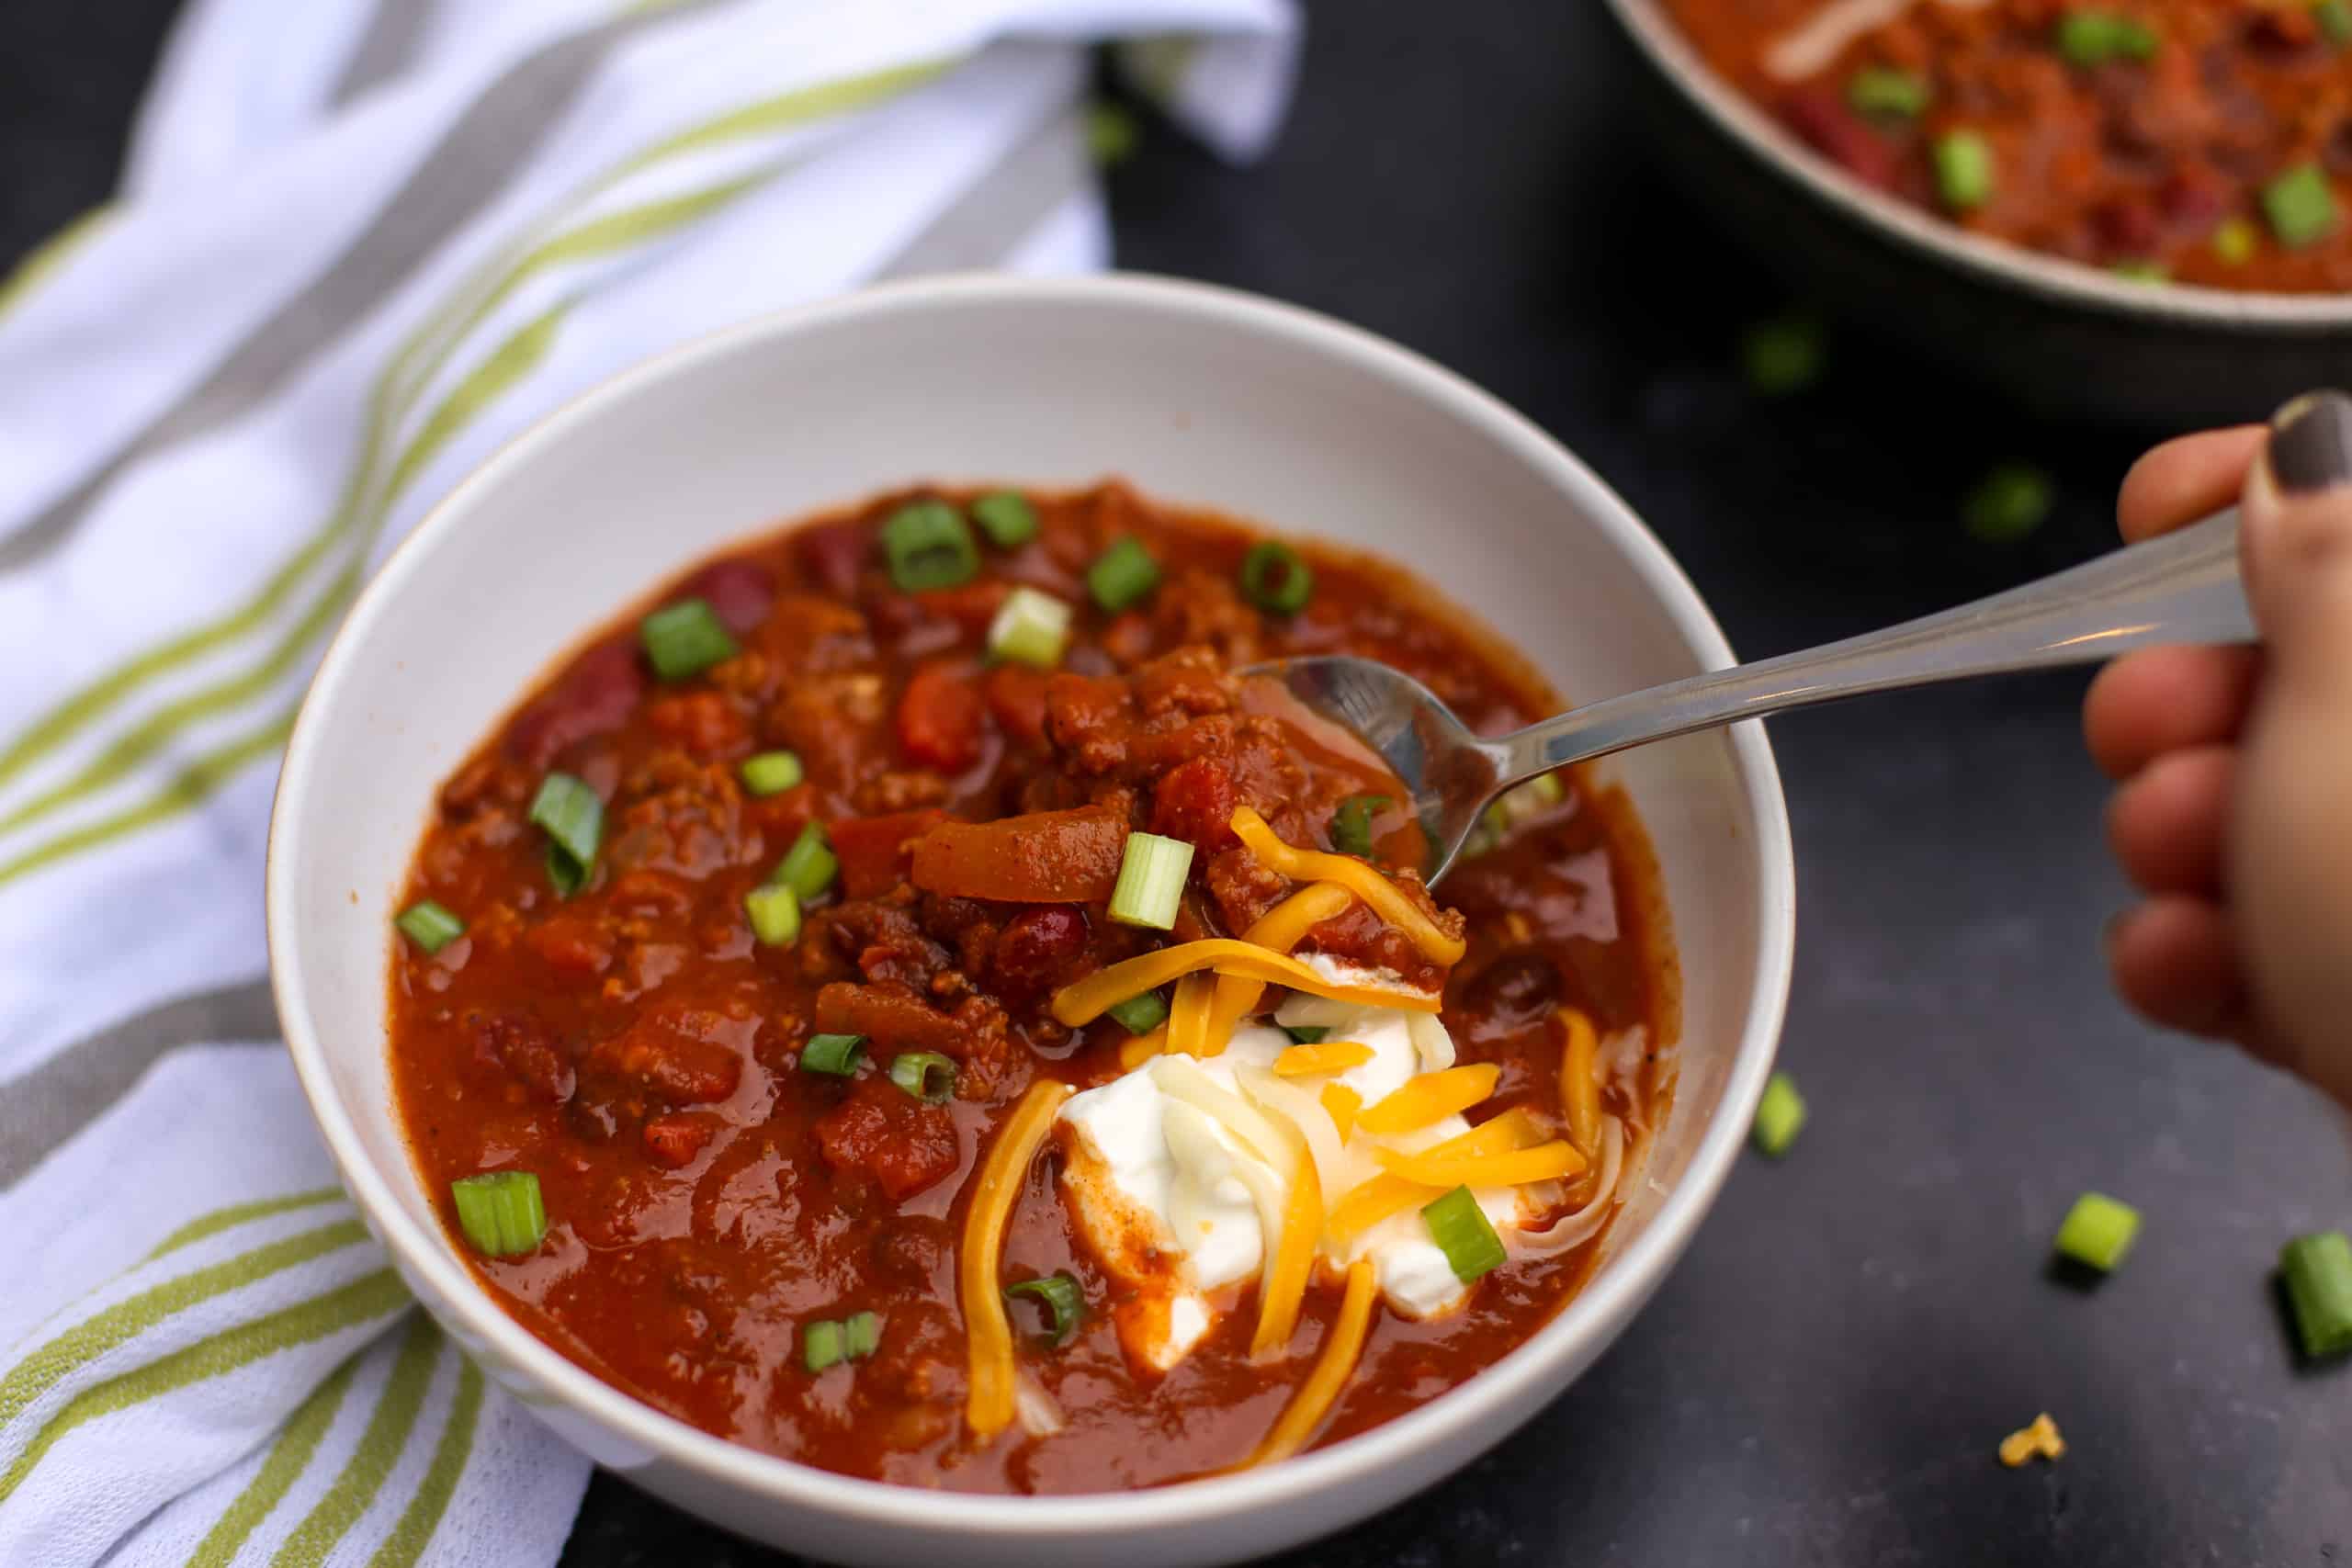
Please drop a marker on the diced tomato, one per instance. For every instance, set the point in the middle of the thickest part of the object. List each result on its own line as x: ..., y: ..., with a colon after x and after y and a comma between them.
x: 573, y: 946
x: 873, y: 849
x: 895, y: 1019
x: 1193, y: 801
x: 675, y: 1140
x: 905, y: 1144
x: 1016, y: 695
x: 941, y: 718
x: 739, y: 592
x: 971, y: 605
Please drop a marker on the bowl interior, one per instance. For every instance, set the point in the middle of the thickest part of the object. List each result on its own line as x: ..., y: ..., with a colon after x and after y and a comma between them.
x: 1194, y: 395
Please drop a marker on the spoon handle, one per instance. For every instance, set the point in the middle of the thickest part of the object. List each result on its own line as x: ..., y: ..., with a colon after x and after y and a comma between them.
x: 2180, y: 588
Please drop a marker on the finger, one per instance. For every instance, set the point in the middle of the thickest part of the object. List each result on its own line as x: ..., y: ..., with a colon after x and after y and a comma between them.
x: 2174, y: 964
x: 2296, y: 547
x: 2164, y: 699
x: 2182, y: 481
x: 2166, y: 824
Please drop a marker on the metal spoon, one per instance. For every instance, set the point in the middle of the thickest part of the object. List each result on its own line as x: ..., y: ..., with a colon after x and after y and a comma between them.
x: 2180, y: 588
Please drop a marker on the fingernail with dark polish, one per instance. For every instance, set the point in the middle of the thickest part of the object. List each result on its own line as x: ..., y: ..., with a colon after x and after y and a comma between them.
x: 2310, y: 442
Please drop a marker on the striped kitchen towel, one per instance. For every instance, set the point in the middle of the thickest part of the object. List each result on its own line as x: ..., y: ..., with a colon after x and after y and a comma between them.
x: 359, y: 245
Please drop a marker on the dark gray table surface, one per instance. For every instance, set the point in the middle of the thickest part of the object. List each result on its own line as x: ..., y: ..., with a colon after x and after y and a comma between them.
x: 1824, y: 1377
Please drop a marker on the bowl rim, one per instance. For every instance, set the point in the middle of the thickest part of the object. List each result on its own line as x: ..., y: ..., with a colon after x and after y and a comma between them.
x: 1601, y: 1309
x: 1989, y: 260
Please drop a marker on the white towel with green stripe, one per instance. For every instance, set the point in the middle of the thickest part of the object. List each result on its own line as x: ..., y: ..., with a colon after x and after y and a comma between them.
x: 360, y: 243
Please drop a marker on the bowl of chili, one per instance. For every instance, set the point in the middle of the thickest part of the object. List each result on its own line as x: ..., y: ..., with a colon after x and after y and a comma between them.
x: 602, y: 887
x: 2134, y: 211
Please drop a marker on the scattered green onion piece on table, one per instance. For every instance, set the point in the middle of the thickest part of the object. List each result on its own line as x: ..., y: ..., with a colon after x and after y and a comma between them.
x: 1121, y: 575
x: 926, y: 1075
x: 1006, y: 517
x: 2141, y: 271
x: 1784, y: 355
x: 1030, y: 628
x: 574, y: 818
x: 1112, y: 134
x: 775, y: 915
x: 809, y: 867
x: 821, y: 1345
x: 501, y: 1212
x: 1882, y: 90
x: 2334, y: 19
x: 2317, y: 1273
x: 1152, y: 881
x: 860, y: 1334
x: 929, y: 545
x: 1061, y: 1294
x: 684, y: 639
x: 2236, y: 240
x: 2301, y: 206
x: 771, y: 773
x: 837, y: 1054
x: 1140, y: 1014
x: 2098, y: 1231
x: 1307, y: 1033
x: 1463, y: 1234
x: 1779, y: 1115
x: 1352, y: 823
x: 1964, y: 162
x: 429, y: 925
x: 1275, y: 579
x: 2007, y: 503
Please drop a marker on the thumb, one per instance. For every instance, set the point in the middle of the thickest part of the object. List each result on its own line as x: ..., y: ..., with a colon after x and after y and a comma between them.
x: 2296, y: 550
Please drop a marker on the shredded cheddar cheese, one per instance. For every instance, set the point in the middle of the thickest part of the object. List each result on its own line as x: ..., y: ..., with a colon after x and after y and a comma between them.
x: 1516, y: 1168
x: 1326, y: 1057
x: 1359, y: 877
x: 1294, y: 1268
x: 1188, y: 1016
x: 989, y: 1406
x: 1431, y: 1098
x: 1382, y: 1196
x: 2040, y: 1440
x: 1142, y: 1048
x: 1579, y: 1088
x: 1372, y: 1202
x: 1342, y: 1347
x: 1279, y: 929
x: 1083, y: 1001
x: 1342, y: 1103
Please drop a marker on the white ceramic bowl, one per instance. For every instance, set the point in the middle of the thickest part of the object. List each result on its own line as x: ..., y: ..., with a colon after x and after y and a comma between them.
x: 1197, y: 395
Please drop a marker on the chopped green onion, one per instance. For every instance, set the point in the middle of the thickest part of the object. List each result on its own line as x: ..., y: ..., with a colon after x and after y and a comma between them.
x: 771, y: 773
x: 2098, y: 1231
x: 2317, y: 1271
x: 821, y: 1345
x: 1111, y: 134
x: 501, y: 1212
x: 1152, y: 881
x: 926, y: 1075
x: 2142, y: 271
x: 1274, y: 579
x: 835, y: 1054
x: 1784, y: 355
x: 1061, y: 1296
x: 809, y: 867
x: 1351, y: 824
x: 1307, y: 1033
x: 929, y: 547
x: 1963, y: 161
x: 684, y: 639
x: 1121, y: 574
x: 1463, y: 1234
x: 1524, y: 803
x: 2008, y: 502
x: 2094, y: 38
x: 574, y: 821
x: 775, y: 915
x: 1030, y: 628
x: 1779, y: 1115
x: 2301, y: 206
x: 1006, y: 517
x: 2234, y: 241
x: 2334, y: 19
x: 429, y: 925
x: 1482, y: 840
x: 1140, y: 1014
x: 860, y: 1334
x: 1882, y: 90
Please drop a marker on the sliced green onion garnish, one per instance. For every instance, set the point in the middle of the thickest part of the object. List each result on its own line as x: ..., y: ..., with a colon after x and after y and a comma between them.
x: 574, y: 821
x: 2334, y: 19
x: 1524, y: 803
x: 2317, y: 1271
x: 771, y: 773
x: 1121, y: 574
x: 684, y: 639
x: 1352, y: 823
x: 2009, y: 503
x: 1882, y: 90
x: 1140, y: 1015
x: 1062, y: 1297
x: 821, y: 1345
x: 1779, y: 1115
x: 2301, y: 206
x: 1275, y: 579
x: 834, y: 1054
x: 2142, y: 271
x: 926, y: 1075
x: 809, y: 867
x: 501, y: 1212
x: 1307, y: 1033
x: 860, y: 1334
x: 429, y: 925
x: 2236, y: 240
x: 1152, y: 881
x: 1784, y: 355
x: 1963, y: 161
x: 929, y: 547
x: 1462, y: 1233
x: 775, y: 915
x: 2099, y: 1231
x: 2094, y: 38
x: 1030, y: 628
x: 1483, y: 840
x: 1006, y: 517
